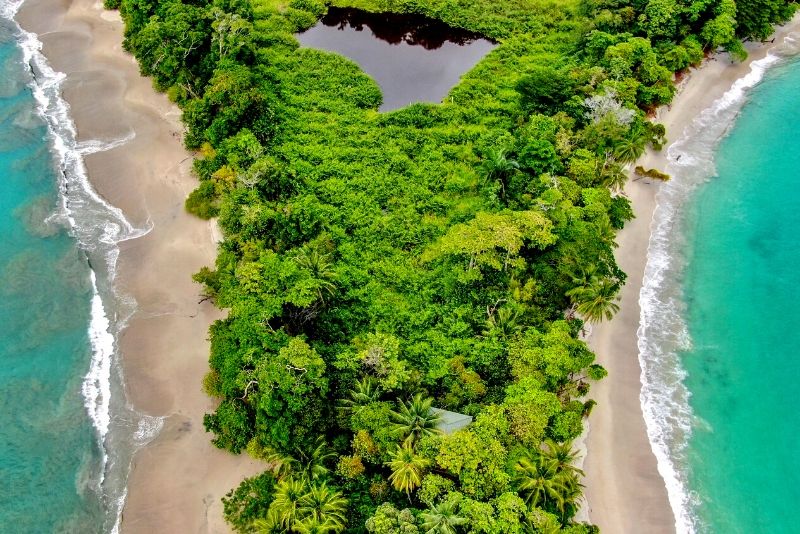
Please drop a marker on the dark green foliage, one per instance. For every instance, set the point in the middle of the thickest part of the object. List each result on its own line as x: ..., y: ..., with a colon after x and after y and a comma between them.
x: 679, y: 57
x: 249, y: 501
x: 539, y: 156
x: 697, y: 24
x: 755, y: 18
x: 233, y: 100
x: 620, y: 212
x: 377, y: 265
x: 231, y: 425
x: 545, y: 90
x: 202, y: 201
x: 290, y: 391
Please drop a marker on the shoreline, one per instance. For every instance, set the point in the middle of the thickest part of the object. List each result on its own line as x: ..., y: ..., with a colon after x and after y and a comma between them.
x: 176, y: 481
x: 625, y: 484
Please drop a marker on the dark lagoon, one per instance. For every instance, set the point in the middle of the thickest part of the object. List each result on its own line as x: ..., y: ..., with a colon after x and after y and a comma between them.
x: 411, y: 57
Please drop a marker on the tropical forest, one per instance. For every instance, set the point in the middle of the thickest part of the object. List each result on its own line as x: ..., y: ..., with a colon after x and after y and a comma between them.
x: 406, y: 292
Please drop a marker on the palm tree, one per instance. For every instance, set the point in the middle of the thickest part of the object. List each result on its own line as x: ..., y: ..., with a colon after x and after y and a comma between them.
x: 631, y: 148
x: 363, y: 393
x: 580, y: 273
x: 572, y: 494
x: 503, y: 322
x: 606, y: 232
x: 312, y: 466
x: 407, y: 468
x: 562, y: 455
x: 323, y: 507
x: 321, y: 268
x: 539, y: 523
x: 309, y: 466
x: 285, y: 507
x: 442, y: 519
x: 281, y: 465
x: 415, y: 418
x: 612, y: 174
x: 597, y: 299
x: 263, y: 526
x: 310, y: 525
x: 540, y: 483
x: 498, y: 167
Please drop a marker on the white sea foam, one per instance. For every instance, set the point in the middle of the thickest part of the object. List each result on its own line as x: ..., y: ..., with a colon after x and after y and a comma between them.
x: 148, y: 428
x: 8, y: 10
x: 95, y: 146
x: 663, y: 333
x: 98, y: 227
x: 120, y: 505
x: 47, y: 92
x: 97, y: 383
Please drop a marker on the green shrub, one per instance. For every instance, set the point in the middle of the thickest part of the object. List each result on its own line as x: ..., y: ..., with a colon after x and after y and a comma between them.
x: 248, y: 502
x: 202, y: 202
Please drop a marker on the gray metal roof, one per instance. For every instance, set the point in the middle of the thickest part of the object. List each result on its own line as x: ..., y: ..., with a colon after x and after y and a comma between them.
x: 450, y: 422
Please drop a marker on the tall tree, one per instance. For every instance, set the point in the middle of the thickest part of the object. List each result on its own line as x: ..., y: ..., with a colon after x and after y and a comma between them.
x: 498, y: 168
x: 285, y: 507
x: 407, y: 468
x: 415, y: 419
x: 231, y: 32
x: 442, y: 518
x: 541, y: 483
x: 324, y: 508
x: 597, y: 299
x: 363, y: 393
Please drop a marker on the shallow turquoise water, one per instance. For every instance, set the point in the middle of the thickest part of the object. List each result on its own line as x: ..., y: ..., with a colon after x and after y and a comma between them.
x: 742, y: 296
x: 49, y: 455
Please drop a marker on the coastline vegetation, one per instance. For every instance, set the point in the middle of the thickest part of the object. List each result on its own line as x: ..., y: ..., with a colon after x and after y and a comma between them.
x: 655, y: 174
x: 380, y: 267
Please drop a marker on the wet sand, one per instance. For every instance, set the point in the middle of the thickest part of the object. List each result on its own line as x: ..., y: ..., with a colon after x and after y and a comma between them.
x: 178, y: 479
x: 624, y: 490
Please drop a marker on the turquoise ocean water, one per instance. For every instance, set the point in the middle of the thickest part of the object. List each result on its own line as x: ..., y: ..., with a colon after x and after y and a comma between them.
x: 49, y: 458
x: 719, y: 338
x: 742, y: 294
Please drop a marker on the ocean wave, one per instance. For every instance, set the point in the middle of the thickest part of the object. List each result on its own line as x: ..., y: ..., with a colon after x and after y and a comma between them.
x: 97, y: 383
x: 98, y: 227
x: 663, y: 333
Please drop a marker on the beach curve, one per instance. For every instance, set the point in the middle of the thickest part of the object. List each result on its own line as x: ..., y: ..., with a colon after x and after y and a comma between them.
x: 131, y: 143
x: 631, y: 485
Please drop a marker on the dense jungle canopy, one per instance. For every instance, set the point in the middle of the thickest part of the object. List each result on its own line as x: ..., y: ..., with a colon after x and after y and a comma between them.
x: 378, y: 265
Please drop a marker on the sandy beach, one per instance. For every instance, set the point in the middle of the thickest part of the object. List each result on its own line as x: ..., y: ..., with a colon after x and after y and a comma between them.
x: 624, y: 490
x: 178, y: 479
